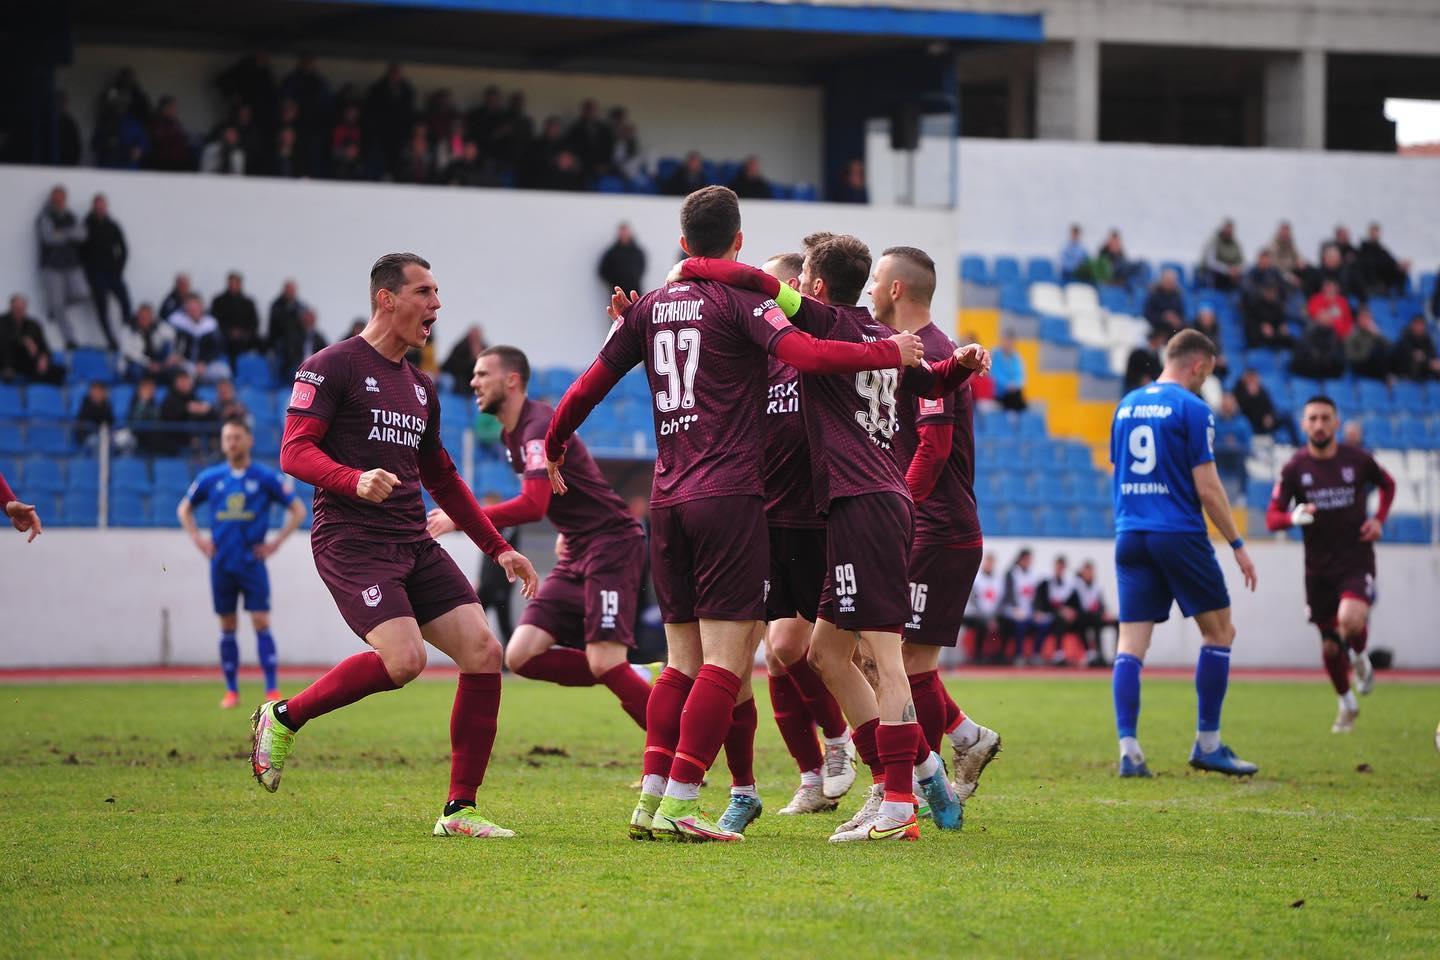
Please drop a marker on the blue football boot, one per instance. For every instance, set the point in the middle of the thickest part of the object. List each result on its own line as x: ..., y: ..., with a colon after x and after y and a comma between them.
x: 1134, y: 768
x: 944, y: 808
x: 1221, y: 760
x: 742, y: 811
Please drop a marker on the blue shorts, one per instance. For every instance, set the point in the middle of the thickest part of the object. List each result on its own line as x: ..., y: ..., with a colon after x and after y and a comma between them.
x: 1156, y: 569
x: 227, y: 584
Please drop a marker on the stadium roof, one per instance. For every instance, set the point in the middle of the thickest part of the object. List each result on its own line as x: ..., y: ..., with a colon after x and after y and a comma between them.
x: 734, y: 38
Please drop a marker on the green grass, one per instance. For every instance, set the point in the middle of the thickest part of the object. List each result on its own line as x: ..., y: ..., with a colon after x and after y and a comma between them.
x: 131, y: 827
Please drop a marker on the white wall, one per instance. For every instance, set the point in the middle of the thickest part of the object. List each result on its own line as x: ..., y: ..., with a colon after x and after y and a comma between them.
x: 671, y: 116
x: 522, y: 263
x: 82, y: 597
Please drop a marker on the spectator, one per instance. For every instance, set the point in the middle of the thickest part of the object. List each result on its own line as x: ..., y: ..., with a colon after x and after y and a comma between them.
x: 1207, y: 323
x: 239, y: 321
x: 1089, y: 602
x: 228, y: 405
x: 284, y: 158
x: 145, y: 412
x: 198, y: 341
x: 1435, y: 303
x: 1331, y: 306
x: 1017, y: 608
x: 67, y: 133
x: 388, y: 118
x: 125, y: 91
x: 224, y: 154
x: 169, y: 143
x: 250, y: 82
x: 539, y: 155
x: 309, y: 93
x: 345, y: 144
x: 444, y: 127
x: 1380, y: 273
x: 283, y: 320
x: 1414, y: 357
x: 1054, y: 610
x: 119, y: 141
x: 1110, y: 265
x: 627, y: 160
x: 687, y: 178
x: 1319, y: 354
x: 1255, y: 403
x: 507, y: 146
x: 24, y: 354
x: 1341, y: 242
x: 301, y: 345
x: 1353, y: 433
x: 60, y: 235
x: 564, y: 173
x: 469, y: 170
x: 1074, y: 261
x: 483, y: 121
x: 460, y: 364
x: 591, y: 140
x: 1143, y: 366
x: 1222, y: 261
x: 983, y: 608
x: 623, y: 263
x: 1333, y: 268
x: 180, y: 410
x: 1232, y: 445
x: 851, y: 188
x: 179, y: 293
x: 1367, y: 352
x: 95, y: 412
x: 1262, y: 303
x: 1165, y: 305
x: 104, y: 254
x: 748, y: 183
x: 417, y: 160
x: 148, y: 350
x: 1287, y: 258
x: 1007, y: 370
x: 248, y: 136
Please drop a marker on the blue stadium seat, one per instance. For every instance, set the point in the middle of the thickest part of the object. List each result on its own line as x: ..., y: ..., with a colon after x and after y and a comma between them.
x: 1032, y: 424
x: 47, y: 439
x: 972, y: 268
x: 80, y: 508
x: 129, y: 510
x: 267, y: 441
x: 1053, y: 488
x: 997, y: 522
x: 1096, y: 362
x: 129, y: 475
x: 1077, y: 457
x: 1093, y: 525
x: 1007, y: 270
x: 1015, y: 298
x: 1380, y: 432
x: 1408, y: 528
x: 1023, y: 522
x: 1263, y: 361
x: 12, y: 440
x: 12, y: 403
x: 83, y: 475
x: 1117, y: 299
x: 1413, y: 433
x: 781, y: 191
x: 10, y: 469
x: 1257, y: 494
x: 87, y: 364
x: 610, y: 185
x: 665, y: 168
x: 1041, y: 270
x: 172, y: 473
x: 44, y: 400
x: 1374, y: 397
x: 1410, y: 397
x: 43, y: 475
x: 253, y: 370
x: 1056, y: 330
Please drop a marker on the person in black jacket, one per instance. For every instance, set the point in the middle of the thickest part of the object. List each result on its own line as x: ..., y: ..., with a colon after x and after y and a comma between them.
x: 1143, y: 367
x: 749, y: 183
x: 103, y: 254
x: 1164, y: 305
x: 238, y: 319
x: 687, y: 178
x: 1380, y: 273
x: 95, y: 412
x: 623, y: 263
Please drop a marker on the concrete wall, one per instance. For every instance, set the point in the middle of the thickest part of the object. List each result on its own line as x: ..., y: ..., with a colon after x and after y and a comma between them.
x: 82, y: 598
x: 522, y: 263
x: 671, y: 116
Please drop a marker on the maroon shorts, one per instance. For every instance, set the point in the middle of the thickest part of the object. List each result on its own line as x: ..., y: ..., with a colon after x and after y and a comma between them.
x: 1324, y: 593
x: 797, y: 572
x: 593, y: 597
x: 867, y: 545
x: 940, y: 580
x: 708, y: 559
x: 373, y: 581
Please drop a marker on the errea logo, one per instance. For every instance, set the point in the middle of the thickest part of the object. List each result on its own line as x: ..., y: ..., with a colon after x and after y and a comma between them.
x: 371, y: 386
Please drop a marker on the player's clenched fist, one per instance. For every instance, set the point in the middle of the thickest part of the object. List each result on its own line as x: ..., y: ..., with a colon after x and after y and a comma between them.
x: 973, y: 357
x: 516, y: 567
x: 438, y: 523
x: 376, y: 485
x: 912, y: 348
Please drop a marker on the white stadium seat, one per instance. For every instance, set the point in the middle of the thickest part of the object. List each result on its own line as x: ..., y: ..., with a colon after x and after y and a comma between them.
x: 1047, y: 299
x: 1081, y: 296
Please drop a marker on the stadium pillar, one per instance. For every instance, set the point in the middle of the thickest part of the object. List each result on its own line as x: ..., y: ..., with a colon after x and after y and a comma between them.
x: 1295, y: 100
x: 1067, y: 94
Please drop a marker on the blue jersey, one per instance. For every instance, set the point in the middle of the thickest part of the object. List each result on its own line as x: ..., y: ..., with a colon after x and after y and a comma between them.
x: 1159, y: 435
x: 239, y: 508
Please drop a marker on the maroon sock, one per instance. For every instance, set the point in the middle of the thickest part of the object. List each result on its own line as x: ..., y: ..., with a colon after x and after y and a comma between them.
x: 866, y: 747
x: 896, y: 743
x: 1359, y: 640
x: 740, y: 744
x: 662, y: 720
x: 472, y: 732
x: 929, y: 708
x: 563, y: 665
x: 633, y: 693
x: 793, y: 719
x: 1337, y: 664
x: 349, y: 680
x: 821, y: 702
x: 704, y: 722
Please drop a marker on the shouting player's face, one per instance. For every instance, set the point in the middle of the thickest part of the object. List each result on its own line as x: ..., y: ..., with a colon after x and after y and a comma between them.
x: 1319, y: 423
x: 488, y: 383
x: 414, y: 306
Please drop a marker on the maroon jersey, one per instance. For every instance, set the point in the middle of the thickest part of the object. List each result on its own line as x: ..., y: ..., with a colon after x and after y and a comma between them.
x: 789, y: 490
x: 948, y: 515
x: 1338, y: 487
x: 704, y: 347
x: 590, y: 508
x: 851, y: 418
x: 382, y: 415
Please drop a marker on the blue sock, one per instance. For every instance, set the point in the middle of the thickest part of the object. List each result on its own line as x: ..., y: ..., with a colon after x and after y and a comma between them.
x: 269, y: 661
x: 230, y: 661
x: 1212, y: 676
x: 1126, y: 688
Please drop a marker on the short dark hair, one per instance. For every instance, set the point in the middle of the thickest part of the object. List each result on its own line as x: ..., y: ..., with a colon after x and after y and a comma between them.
x: 919, y: 271
x: 812, y: 240
x: 709, y: 220
x: 1187, y: 343
x: 235, y: 420
x: 843, y: 262
x: 388, y: 273
x: 790, y: 264
x: 1321, y: 398
x: 513, y: 360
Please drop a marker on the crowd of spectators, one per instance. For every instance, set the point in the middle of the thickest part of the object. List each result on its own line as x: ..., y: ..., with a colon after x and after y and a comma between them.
x: 1011, y: 615
x: 296, y: 124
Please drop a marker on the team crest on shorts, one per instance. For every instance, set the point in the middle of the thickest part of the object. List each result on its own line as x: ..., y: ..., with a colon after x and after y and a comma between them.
x: 422, y: 395
x: 371, y: 595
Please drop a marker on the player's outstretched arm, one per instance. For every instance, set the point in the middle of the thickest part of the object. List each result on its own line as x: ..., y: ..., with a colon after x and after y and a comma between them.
x: 1217, y: 508
x: 933, y: 449
x: 582, y: 397
x: 185, y: 513
x: 23, y: 516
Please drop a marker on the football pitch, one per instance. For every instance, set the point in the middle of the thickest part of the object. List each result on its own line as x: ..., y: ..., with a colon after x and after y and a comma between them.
x: 132, y: 827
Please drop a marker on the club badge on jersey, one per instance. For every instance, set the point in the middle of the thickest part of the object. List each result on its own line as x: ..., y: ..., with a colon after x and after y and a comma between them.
x: 422, y: 395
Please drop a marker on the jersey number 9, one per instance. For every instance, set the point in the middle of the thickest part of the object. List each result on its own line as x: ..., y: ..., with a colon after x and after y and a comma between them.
x: 1142, y: 448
